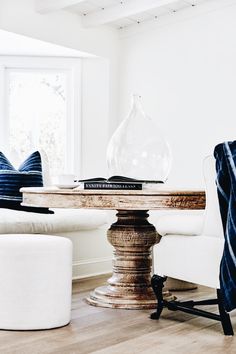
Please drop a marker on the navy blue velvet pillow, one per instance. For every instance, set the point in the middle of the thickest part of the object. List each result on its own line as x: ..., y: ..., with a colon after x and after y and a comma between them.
x: 29, y: 174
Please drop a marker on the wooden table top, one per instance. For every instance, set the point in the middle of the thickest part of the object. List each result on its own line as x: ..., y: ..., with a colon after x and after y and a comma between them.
x: 146, y: 199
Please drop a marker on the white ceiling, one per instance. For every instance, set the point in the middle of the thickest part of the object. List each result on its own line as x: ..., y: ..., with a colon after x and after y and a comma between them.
x: 96, y: 9
x: 119, y: 14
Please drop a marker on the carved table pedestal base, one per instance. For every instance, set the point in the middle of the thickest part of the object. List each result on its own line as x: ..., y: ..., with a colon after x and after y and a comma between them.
x: 132, y: 236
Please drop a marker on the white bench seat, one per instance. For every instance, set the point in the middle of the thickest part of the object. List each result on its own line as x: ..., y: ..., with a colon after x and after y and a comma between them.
x: 62, y: 221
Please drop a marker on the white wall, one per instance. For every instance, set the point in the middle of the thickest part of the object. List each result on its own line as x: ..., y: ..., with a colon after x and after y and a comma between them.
x: 95, y: 106
x: 185, y: 69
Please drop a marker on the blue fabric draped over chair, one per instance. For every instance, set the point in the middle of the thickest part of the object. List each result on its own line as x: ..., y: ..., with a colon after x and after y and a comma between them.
x: 225, y: 155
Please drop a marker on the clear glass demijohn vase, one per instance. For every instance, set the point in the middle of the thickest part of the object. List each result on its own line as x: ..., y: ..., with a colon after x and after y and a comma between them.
x: 137, y: 149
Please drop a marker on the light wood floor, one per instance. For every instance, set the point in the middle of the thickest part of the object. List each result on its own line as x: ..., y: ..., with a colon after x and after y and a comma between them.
x: 107, y: 331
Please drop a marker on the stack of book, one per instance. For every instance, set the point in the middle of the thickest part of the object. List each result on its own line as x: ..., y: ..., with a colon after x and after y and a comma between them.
x: 115, y: 182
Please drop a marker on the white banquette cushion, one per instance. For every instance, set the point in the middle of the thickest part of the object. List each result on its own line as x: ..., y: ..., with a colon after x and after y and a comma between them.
x: 64, y: 220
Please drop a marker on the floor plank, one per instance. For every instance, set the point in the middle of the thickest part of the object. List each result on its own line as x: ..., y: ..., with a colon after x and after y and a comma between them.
x: 106, y: 331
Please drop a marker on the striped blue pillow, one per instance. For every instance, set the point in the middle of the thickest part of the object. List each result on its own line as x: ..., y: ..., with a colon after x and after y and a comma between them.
x: 29, y: 174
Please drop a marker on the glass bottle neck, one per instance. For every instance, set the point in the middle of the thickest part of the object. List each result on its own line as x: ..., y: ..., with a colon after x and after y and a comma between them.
x: 137, y: 105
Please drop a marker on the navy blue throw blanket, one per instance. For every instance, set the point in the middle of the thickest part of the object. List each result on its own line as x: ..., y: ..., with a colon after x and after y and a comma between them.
x: 225, y: 155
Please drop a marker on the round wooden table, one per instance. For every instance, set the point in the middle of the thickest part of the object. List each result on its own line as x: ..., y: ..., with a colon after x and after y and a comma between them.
x: 132, y: 236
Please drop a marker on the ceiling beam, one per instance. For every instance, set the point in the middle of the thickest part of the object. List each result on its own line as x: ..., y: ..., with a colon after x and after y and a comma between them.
x: 46, y: 6
x: 124, y: 9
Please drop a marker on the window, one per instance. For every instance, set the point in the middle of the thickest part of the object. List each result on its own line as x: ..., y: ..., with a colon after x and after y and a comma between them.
x: 41, y: 101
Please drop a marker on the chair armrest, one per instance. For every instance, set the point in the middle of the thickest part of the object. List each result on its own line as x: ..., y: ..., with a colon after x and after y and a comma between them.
x: 180, y: 224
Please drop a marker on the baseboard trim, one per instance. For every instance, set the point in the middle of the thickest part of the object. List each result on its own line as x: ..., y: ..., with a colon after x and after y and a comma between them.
x: 91, y: 267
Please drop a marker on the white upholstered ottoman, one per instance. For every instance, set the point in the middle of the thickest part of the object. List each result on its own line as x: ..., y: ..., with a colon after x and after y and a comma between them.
x: 35, y: 281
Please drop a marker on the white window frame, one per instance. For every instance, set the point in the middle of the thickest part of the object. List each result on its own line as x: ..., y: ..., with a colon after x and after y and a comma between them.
x: 72, y: 66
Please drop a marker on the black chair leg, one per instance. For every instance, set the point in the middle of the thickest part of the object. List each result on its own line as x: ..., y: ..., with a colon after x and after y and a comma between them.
x: 224, y: 316
x: 157, y: 283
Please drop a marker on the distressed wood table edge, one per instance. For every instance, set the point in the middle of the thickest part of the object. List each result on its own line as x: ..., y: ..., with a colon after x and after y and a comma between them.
x: 109, y: 199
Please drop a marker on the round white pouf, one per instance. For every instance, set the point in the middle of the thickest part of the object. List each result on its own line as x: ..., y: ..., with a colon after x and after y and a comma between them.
x: 35, y: 281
